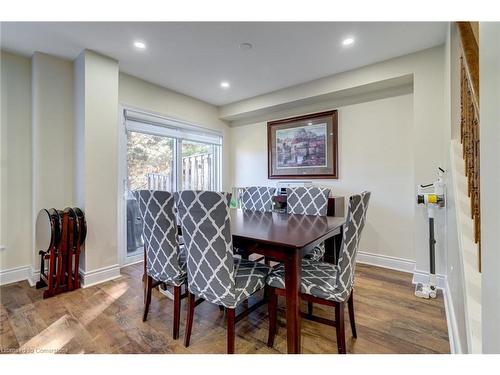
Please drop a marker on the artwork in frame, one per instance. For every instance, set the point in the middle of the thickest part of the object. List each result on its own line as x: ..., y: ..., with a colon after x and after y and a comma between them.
x: 303, y: 146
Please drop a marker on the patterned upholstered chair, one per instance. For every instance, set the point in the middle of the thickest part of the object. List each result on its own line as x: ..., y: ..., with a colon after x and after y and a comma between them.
x: 258, y: 198
x: 325, y: 283
x: 213, y: 273
x: 165, y: 260
x: 309, y: 201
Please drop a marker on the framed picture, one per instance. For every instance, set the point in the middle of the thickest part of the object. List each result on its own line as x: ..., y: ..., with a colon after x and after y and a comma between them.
x: 303, y: 146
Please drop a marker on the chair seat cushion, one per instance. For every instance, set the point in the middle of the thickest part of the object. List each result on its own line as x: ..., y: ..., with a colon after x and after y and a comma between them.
x: 319, y: 279
x: 317, y: 252
x: 249, y: 277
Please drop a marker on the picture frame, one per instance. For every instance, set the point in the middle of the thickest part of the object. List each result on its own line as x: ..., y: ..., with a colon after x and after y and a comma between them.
x: 303, y: 147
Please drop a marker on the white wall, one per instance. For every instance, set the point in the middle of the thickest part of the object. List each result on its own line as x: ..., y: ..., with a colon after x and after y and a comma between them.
x: 15, y: 220
x: 143, y: 95
x: 489, y: 52
x: 97, y: 102
x: 454, y: 267
x: 375, y: 154
x: 52, y: 132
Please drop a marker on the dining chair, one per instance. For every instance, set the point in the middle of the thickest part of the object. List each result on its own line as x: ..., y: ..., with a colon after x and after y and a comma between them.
x: 165, y: 259
x: 309, y: 200
x: 325, y: 283
x: 258, y: 198
x: 214, y: 275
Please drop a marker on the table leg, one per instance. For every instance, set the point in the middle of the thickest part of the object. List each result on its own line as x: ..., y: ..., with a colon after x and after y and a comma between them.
x: 292, y: 287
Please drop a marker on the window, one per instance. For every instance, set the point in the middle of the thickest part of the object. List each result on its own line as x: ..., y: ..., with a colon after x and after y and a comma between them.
x: 165, y: 154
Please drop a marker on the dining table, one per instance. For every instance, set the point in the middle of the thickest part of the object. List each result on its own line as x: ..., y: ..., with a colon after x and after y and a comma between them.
x: 287, y: 238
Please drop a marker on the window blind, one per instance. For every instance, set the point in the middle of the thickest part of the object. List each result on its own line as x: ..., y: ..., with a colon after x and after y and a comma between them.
x: 163, y: 126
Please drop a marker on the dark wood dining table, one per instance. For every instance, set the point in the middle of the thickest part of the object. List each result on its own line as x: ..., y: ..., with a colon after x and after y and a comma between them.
x: 285, y: 238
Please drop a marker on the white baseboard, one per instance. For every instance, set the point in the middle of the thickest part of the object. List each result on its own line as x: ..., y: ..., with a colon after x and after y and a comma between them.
x: 31, y: 275
x: 99, y: 275
x: 451, y: 320
x: 13, y: 275
x: 139, y: 258
x: 399, y: 264
x: 385, y: 261
x: 34, y: 277
x: 423, y: 277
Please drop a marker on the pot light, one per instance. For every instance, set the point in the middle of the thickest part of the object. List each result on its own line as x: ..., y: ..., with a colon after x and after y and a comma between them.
x: 246, y: 46
x: 225, y: 84
x: 139, y: 45
x: 348, y: 41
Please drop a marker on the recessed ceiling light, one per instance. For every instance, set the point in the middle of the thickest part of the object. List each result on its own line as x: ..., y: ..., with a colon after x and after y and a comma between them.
x: 139, y: 45
x: 246, y: 46
x: 224, y: 84
x: 348, y: 41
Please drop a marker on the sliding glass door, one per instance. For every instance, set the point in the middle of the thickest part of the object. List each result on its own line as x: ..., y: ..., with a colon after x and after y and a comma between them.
x: 199, y: 163
x: 164, y: 155
x: 150, y: 165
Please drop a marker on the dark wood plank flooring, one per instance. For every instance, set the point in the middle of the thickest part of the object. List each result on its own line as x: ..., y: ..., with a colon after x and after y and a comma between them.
x: 106, y: 318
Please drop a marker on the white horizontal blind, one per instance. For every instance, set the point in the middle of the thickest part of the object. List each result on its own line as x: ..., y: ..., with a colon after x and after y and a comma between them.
x: 162, y: 126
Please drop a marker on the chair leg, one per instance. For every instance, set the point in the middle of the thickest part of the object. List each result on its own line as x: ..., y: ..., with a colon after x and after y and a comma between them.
x: 177, y: 311
x: 340, y: 326
x: 273, y: 310
x: 350, y: 306
x: 147, y: 297
x: 144, y: 275
x: 309, y: 308
x: 189, y: 321
x: 230, y: 330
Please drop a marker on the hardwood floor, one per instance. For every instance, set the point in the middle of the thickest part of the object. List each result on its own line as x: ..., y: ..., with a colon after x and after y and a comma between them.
x: 107, y: 318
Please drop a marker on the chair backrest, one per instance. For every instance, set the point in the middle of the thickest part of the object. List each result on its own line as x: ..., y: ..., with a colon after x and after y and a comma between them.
x: 309, y: 200
x: 160, y: 235
x: 356, y: 216
x: 258, y: 198
x: 206, y: 230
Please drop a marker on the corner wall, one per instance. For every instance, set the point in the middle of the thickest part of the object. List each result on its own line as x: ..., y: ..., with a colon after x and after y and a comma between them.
x: 97, y: 120
x: 15, y: 172
x: 52, y: 132
x: 489, y: 52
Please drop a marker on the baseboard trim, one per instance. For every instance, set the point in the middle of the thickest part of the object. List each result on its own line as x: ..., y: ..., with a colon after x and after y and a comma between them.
x: 420, y: 276
x: 385, y: 261
x: 99, y: 275
x: 16, y: 274
x: 34, y: 277
x: 451, y: 321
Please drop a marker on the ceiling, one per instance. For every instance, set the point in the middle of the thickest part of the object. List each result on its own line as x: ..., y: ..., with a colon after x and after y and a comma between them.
x: 193, y: 58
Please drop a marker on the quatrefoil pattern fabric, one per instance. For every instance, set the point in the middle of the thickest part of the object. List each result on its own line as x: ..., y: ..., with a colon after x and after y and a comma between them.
x: 309, y: 201
x: 317, y: 252
x: 325, y: 280
x: 164, y: 259
x: 213, y: 273
x: 258, y: 198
